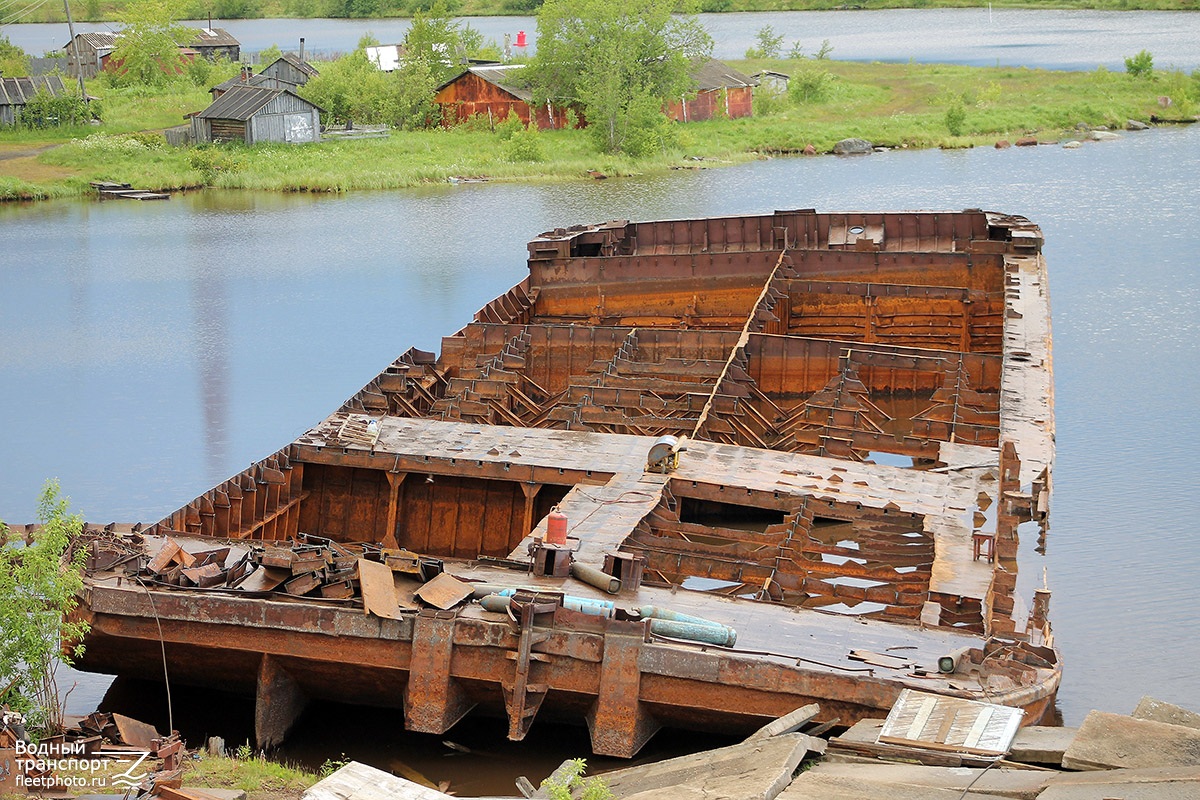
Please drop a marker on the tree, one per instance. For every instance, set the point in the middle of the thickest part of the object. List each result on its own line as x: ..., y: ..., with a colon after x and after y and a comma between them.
x: 441, y: 44
x: 148, y: 46
x: 14, y: 62
x: 620, y: 61
x: 770, y: 44
x: 1141, y: 65
x: 39, y: 585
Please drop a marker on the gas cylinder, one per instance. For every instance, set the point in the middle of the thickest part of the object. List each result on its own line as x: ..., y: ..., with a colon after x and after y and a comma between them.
x: 556, y: 528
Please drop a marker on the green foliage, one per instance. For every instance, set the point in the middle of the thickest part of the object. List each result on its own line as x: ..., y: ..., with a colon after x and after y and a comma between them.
x: 507, y: 126
x: 768, y: 100
x: 810, y: 85
x: 351, y: 89
x: 1140, y: 65
x: 331, y: 765
x: 525, y: 145
x: 590, y: 789
x: 46, y: 110
x: 1184, y: 91
x: 148, y: 47
x: 269, y: 56
x: 770, y: 44
x: 211, y: 161
x: 441, y: 44
x: 14, y: 62
x: 797, y: 51
x: 823, y: 51
x: 956, y: 117
x: 620, y: 60
x: 39, y: 584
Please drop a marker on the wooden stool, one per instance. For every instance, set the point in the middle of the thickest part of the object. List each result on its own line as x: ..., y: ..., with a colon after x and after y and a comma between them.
x: 981, y: 542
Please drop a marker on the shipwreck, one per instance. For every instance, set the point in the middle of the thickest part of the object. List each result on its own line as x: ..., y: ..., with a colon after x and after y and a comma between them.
x: 692, y: 473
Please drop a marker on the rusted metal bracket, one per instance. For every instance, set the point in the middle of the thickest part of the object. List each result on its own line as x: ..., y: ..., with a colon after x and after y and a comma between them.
x: 618, y: 722
x: 278, y: 703
x: 523, y: 697
x: 433, y: 700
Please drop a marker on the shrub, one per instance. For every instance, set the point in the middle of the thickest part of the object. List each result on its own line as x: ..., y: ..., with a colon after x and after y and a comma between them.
x: 508, y: 127
x: 525, y: 145
x: 823, y: 52
x: 810, y: 85
x: 768, y: 100
x: 770, y: 44
x: 956, y: 116
x: 1141, y: 65
x: 210, y: 161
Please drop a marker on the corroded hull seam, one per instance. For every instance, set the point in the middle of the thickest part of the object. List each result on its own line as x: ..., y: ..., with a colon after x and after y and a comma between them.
x: 821, y: 431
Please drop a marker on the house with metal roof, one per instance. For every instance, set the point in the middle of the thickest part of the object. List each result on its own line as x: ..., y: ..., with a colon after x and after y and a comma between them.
x: 88, y: 52
x: 254, y: 114
x: 720, y: 91
x: 15, y: 93
x: 291, y: 68
x: 494, y: 91
x: 214, y: 43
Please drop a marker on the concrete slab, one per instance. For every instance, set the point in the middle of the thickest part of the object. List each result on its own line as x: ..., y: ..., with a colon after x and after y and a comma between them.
x: 810, y: 786
x: 1015, y: 783
x: 1157, y: 783
x: 787, y: 723
x: 1113, y: 741
x: 747, y: 771
x: 1159, y: 711
x: 1039, y: 744
x: 357, y: 781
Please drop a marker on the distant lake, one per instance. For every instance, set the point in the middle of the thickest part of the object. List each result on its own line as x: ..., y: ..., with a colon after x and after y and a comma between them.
x: 1066, y: 40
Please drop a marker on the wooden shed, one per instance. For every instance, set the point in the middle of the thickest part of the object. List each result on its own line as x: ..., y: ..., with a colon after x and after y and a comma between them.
x: 93, y: 50
x: 494, y: 91
x: 16, y: 92
x: 290, y: 69
x: 721, y: 91
x: 254, y: 114
x: 776, y: 81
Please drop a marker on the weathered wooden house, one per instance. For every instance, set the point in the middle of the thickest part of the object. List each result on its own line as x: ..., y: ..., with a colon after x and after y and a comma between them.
x: 214, y: 43
x: 254, y: 114
x: 16, y: 92
x: 291, y: 69
x: 775, y: 81
x: 247, y: 78
x: 87, y: 53
x: 721, y: 91
x: 494, y: 91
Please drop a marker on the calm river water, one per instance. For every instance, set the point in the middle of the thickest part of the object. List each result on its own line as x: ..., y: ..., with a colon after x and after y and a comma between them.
x: 149, y: 350
x: 1072, y: 40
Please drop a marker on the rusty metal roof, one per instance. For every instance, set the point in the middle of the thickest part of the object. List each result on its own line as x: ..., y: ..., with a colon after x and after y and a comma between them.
x: 19, y: 91
x: 504, y: 76
x: 243, y: 102
x: 717, y: 75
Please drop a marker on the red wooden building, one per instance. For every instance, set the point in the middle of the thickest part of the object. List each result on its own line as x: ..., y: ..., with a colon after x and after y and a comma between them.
x: 494, y: 91
x: 721, y: 91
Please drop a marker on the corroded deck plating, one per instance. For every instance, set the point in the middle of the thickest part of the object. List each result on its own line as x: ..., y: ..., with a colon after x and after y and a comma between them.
x: 793, y: 350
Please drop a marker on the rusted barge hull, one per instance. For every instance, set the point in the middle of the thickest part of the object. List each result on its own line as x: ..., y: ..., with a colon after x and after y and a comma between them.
x: 795, y: 357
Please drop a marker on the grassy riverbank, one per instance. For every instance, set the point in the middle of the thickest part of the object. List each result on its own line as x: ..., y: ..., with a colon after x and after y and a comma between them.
x: 110, y: 10
x: 892, y: 105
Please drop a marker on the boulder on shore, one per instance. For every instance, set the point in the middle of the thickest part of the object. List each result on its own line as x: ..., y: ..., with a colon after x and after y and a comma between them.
x: 853, y: 147
x: 1136, y: 125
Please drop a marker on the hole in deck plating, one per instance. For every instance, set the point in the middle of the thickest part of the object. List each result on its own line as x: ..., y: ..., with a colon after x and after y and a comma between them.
x: 856, y: 229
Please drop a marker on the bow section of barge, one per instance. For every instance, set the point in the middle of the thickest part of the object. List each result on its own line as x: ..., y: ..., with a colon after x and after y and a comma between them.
x: 695, y: 473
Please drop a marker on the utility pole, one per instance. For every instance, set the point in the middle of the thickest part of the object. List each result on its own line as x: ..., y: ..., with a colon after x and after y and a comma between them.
x: 75, y: 47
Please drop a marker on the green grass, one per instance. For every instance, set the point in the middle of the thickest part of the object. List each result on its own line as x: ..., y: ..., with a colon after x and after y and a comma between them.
x: 260, y: 778
x: 894, y: 105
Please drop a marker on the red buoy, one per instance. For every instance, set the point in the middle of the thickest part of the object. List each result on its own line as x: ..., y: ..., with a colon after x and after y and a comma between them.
x: 556, y: 528
x: 521, y: 39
